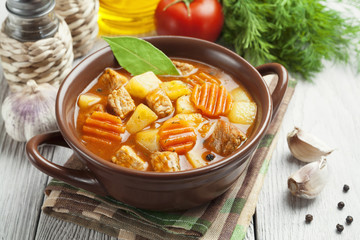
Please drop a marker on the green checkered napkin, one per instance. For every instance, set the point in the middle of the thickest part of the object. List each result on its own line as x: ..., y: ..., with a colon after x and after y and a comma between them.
x: 226, y: 217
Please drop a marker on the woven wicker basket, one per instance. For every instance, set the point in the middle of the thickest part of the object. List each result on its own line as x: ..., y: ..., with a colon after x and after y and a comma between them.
x: 81, y: 16
x: 47, y: 60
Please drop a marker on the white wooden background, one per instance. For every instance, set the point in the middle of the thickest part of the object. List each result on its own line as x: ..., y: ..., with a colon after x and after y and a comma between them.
x: 328, y: 108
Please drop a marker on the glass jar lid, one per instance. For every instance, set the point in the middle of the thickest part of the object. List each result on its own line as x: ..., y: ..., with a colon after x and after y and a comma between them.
x: 30, y: 8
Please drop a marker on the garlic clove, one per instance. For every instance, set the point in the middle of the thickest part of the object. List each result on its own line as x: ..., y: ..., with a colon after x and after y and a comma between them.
x: 309, y: 180
x: 30, y: 111
x: 306, y: 147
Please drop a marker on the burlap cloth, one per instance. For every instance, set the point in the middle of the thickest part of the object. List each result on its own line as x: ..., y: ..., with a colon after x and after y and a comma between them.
x: 226, y: 217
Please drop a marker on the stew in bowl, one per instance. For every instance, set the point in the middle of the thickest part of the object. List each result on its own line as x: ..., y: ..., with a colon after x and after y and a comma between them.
x: 165, y: 123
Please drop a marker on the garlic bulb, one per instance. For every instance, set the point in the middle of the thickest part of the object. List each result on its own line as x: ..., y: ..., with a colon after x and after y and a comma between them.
x: 306, y: 147
x: 309, y: 180
x: 30, y: 111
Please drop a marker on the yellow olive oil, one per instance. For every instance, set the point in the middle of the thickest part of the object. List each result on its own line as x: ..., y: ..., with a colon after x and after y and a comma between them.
x: 126, y: 17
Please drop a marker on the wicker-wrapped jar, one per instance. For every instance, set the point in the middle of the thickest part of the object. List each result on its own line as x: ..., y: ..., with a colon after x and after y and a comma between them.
x: 35, y: 44
x: 81, y: 16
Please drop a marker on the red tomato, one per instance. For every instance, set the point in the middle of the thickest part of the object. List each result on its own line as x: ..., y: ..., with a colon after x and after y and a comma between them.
x: 201, y: 19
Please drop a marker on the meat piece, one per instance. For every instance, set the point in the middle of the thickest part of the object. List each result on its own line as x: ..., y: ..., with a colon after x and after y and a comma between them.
x: 184, y: 68
x: 165, y: 161
x: 127, y: 157
x: 159, y: 102
x: 225, y: 138
x: 112, y: 79
x: 121, y: 102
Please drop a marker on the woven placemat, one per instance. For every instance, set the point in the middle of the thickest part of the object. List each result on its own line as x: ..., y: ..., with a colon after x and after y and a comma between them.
x: 81, y: 16
x: 47, y: 60
x: 226, y: 217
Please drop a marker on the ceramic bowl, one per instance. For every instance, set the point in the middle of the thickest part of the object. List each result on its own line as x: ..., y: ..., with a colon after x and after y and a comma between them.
x: 152, y: 190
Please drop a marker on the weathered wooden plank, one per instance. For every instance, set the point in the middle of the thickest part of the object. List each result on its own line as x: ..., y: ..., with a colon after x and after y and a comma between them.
x: 20, y: 186
x: 329, y: 109
x: 250, y: 234
x: 53, y: 228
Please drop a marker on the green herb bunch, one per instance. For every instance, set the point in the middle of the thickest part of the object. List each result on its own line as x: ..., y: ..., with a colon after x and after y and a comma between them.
x: 299, y: 34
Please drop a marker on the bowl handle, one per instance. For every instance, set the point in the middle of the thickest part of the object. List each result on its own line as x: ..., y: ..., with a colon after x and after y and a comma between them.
x: 281, y: 85
x: 79, y: 178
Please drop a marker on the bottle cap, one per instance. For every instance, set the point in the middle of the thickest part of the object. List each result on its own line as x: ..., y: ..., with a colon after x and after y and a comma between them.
x: 30, y: 8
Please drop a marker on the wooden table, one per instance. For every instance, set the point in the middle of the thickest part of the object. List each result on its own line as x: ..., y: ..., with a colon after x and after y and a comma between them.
x: 328, y: 108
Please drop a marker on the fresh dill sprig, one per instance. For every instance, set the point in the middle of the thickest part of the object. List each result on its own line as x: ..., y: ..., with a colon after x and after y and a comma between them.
x: 299, y: 34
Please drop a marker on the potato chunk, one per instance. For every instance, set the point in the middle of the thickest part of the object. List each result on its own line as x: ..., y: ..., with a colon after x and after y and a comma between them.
x: 141, y: 118
x: 175, y: 89
x: 184, y: 105
x: 195, y: 159
x: 127, y: 157
x: 88, y: 99
x: 149, y: 139
x: 140, y: 85
x: 239, y: 94
x: 165, y: 161
x: 243, y: 112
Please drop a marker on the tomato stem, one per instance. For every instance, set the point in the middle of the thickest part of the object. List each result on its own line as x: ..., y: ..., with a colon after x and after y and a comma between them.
x: 186, y: 2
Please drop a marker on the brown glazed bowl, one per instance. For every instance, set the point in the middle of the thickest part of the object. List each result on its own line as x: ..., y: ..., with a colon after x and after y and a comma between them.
x: 152, y: 190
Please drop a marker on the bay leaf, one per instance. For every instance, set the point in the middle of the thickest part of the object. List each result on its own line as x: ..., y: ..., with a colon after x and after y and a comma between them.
x: 138, y: 56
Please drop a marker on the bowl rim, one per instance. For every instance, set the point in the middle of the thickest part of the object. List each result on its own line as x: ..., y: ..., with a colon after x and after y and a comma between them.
x: 244, y: 151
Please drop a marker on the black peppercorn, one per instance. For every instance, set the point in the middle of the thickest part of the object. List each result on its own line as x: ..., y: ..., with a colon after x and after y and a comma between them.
x: 349, y: 219
x: 308, y: 218
x: 341, y: 205
x: 99, y: 90
x: 210, y: 157
x: 346, y: 188
x: 339, y: 227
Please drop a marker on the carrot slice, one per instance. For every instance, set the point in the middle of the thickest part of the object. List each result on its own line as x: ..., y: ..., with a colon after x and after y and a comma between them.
x: 199, y: 78
x: 100, y: 133
x: 178, y: 139
x: 182, y: 148
x: 106, y: 117
x: 209, y: 78
x: 103, y: 128
x: 104, y: 125
x: 213, y: 100
x: 176, y: 131
x: 177, y: 136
